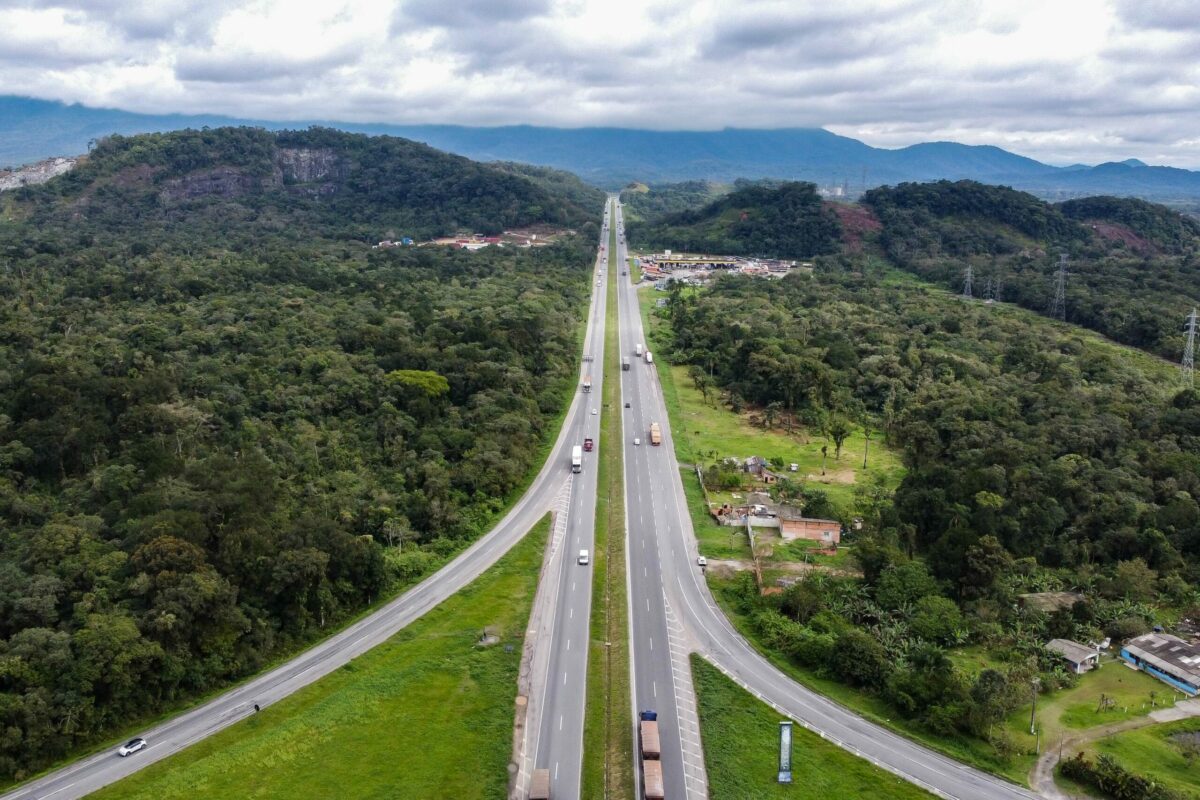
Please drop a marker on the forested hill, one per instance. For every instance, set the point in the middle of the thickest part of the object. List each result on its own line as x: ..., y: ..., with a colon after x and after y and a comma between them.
x: 326, y: 182
x: 226, y: 423
x: 789, y: 221
x: 1134, y: 267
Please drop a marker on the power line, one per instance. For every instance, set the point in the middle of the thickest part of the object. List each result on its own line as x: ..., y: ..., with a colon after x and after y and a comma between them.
x: 1058, y: 308
x: 1189, y: 350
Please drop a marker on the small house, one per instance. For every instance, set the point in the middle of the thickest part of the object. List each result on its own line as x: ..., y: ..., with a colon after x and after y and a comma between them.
x: 826, y: 531
x: 1081, y: 657
x: 755, y: 465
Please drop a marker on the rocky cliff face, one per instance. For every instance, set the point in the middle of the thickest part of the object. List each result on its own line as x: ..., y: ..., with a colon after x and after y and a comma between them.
x: 218, y: 181
x: 306, y: 165
x: 298, y: 170
x: 32, y: 174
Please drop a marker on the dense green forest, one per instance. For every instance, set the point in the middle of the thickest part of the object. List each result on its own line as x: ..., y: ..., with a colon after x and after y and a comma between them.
x: 225, y: 424
x: 1037, y: 457
x: 564, y: 185
x: 788, y: 221
x: 648, y: 203
x: 1134, y: 267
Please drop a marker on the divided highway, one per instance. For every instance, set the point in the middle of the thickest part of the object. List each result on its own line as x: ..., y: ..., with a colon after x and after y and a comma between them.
x: 670, y: 600
x: 166, y: 739
x: 562, y: 691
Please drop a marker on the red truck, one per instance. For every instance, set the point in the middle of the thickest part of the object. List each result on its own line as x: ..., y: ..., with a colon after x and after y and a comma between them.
x: 589, y: 444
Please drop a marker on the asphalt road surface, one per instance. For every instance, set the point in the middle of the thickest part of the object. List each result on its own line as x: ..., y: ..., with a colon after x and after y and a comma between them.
x: 669, y: 597
x: 563, y: 690
x: 166, y: 739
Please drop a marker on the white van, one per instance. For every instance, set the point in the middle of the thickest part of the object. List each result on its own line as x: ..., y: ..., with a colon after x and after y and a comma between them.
x: 583, y: 557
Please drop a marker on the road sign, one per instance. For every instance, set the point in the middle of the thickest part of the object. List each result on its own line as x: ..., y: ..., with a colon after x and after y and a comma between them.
x: 785, y: 752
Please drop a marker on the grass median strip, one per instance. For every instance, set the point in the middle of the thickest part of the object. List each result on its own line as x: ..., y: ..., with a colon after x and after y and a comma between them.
x: 426, y: 714
x: 741, y: 751
x: 608, y: 726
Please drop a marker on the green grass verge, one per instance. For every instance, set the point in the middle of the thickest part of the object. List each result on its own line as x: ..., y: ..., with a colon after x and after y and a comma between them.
x: 608, y: 722
x: 969, y: 750
x: 429, y: 713
x: 704, y: 431
x: 1151, y: 753
x: 741, y: 750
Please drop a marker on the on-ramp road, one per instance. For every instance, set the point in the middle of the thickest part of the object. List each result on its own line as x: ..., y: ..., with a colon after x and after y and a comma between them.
x: 688, y: 614
x: 94, y: 772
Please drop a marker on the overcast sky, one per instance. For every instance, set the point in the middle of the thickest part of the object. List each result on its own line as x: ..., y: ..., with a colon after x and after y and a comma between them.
x: 1059, y: 80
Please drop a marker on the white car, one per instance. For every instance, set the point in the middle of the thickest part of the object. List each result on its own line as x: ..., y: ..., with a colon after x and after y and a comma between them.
x: 131, y: 747
x: 702, y: 561
x: 593, y: 411
x: 637, y: 440
x: 583, y: 557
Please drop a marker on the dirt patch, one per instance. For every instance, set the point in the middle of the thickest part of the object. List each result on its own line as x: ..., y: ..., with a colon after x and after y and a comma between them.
x: 1112, y: 232
x: 845, y: 475
x: 858, y: 222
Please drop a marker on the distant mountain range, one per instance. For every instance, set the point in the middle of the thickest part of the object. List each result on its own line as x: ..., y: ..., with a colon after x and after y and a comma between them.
x: 34, y: 129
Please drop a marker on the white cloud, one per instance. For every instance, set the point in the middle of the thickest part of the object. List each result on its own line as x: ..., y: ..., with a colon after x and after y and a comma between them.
x: 1066, y: 80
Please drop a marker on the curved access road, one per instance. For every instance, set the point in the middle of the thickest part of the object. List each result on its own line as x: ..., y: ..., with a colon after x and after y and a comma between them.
x: 94, y: 772
x: 671, y: 600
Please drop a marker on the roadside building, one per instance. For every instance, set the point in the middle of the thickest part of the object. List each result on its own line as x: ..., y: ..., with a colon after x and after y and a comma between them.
x: 1168, y: 658
x: 826, y: 531
x: 1081, y: 657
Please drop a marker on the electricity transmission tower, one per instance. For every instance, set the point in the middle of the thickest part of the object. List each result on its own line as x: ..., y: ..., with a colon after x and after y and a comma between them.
x: 987, y: 289
x: 998, y: 288
x: 1189, y: 351
x: 1058, y: 308
x: 969, y: 282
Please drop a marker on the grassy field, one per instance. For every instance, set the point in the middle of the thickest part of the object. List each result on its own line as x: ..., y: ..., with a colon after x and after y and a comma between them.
x: 427, y: 714
x: 1150, y: 752
x: 608, y: 748
x: 1068, y: 711
x: 705, y: 431
x: 741, y: 744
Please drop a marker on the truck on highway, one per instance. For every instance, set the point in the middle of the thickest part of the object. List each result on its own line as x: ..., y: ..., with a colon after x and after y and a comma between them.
x: 637, y: 350
x: 625, y: 363
x: 576, y: 459
x: 587, y: 383
x: 649, y: 357
x: 588, y: 444
x: 652, y: 780
x: 655, y: 435
x: 540, y: 788
x: 648, y: 735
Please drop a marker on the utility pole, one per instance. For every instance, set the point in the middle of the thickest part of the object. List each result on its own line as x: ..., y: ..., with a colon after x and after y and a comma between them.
x: 968, y: 282
x: 1058, y: 308
x: 1189, y: 351
x: 1033, y: 708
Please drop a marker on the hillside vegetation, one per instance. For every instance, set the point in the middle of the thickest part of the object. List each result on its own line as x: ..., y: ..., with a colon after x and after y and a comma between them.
x: 789, y: 221
x: 225, y: 425
x: 644, y: 203
x: 1037, y: 458
x: 1134, y: 267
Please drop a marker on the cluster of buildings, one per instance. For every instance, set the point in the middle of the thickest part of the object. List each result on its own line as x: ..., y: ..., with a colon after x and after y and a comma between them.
x: 1174, y: 661
x: 661, y: 268
x: 477, y: 241
x: 760, y: 511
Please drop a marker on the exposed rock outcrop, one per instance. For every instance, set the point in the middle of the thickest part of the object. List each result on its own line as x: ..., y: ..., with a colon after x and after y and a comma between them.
x: 38, y: 172
x: 307, y: 171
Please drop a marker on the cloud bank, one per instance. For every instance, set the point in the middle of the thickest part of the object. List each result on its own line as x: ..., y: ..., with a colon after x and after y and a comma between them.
x: 1062, y: 81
